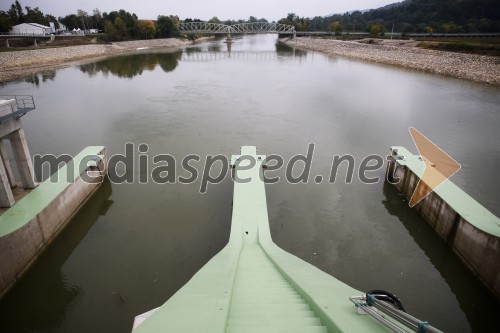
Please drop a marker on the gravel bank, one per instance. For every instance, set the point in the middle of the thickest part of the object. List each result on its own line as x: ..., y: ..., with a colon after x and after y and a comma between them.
x: 18, y: 64
x: 460, y: 65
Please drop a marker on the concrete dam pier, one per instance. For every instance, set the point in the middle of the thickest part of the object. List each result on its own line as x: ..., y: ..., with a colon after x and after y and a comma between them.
x: 28, y: 225
x: 470, y: 229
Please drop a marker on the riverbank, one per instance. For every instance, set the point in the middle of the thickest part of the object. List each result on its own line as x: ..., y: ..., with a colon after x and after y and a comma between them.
x: 479, y: 68
x: 17, y: 64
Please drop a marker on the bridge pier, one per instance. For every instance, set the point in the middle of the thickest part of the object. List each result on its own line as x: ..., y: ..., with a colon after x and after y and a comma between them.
x: 35, y: 44
x: 7, y: 43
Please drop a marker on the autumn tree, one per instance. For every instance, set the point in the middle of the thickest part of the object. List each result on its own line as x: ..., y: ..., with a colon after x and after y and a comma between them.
x: 336, y: 27
x: 375, y: 30
x: 146, y: 28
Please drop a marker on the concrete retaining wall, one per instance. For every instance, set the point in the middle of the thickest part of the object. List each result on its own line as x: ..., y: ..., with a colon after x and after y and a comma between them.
x: 19, y: 249
x: 473, y: 233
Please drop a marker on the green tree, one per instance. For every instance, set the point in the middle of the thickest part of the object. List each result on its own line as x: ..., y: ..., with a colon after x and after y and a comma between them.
x: 120, y: 27
x: 111, y: 31
x: 5, y: 23
x: 35, y: 15
x: 300, y: 23
x: 16, y: 13
x: 214, y: 19
x: 167, y: 26
x: 127, y: 22
x: 70, y: 21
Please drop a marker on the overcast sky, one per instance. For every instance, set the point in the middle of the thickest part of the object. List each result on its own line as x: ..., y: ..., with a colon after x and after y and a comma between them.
x: 204, y: 9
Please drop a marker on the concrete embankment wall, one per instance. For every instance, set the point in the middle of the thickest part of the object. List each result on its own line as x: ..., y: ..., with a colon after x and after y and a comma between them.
x: 470, y: 229
x: 27, y: 228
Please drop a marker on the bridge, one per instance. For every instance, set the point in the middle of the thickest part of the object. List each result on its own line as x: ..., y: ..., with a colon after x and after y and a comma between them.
x: 242, y: 28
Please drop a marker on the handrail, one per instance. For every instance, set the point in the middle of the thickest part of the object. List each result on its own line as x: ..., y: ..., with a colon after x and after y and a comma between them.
x: 23, y: 104
x: 399, y: 321
x: 22, y: 101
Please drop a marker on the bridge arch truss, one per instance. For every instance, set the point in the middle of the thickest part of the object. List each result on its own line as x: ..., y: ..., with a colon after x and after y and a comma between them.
x: 262, y: 27
x: 242, y: 28
x: 204, y: 28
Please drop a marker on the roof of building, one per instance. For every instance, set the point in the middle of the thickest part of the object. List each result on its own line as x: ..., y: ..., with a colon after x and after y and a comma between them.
x: 35, y: 25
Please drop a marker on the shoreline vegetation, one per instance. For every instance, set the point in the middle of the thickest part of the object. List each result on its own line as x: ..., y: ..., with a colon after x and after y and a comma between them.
x: 478, y: 68
x: 18, y: 64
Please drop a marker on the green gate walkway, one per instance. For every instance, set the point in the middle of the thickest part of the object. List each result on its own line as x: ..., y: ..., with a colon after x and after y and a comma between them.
x: 264, y: 301
x: 253, y: 286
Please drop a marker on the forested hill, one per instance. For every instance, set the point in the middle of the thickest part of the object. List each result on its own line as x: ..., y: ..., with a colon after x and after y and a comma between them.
x: 418, y: 15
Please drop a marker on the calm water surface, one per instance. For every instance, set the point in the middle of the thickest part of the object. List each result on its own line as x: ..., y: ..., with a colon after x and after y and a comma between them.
x: 135, y: 245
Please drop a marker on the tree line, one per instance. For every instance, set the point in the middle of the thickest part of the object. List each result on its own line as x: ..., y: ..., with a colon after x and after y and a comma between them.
x: 16, y: 14
x: 423, y: 16
x: 427, y: 16
x: 117, y: 25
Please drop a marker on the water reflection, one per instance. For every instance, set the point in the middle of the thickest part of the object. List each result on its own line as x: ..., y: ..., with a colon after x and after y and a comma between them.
x: 288, y: 51
x: 474, y: 299
x: 193, y: 49
x: 132, y: 65
x: 34, y: 79
x: 44, y: 292
x: 215, y: 48
x: 215, y: 53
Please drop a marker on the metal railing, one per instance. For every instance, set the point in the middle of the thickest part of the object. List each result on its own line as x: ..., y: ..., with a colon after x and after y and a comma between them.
x: 22, y: 105
x: 395, y: 320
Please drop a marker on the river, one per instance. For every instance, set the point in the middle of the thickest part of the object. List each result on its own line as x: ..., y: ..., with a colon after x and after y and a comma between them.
x: 134, y: 245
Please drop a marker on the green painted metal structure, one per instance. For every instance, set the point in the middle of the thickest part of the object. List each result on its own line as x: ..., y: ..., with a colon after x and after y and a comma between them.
x: 254, y: 286
x: 471, y: 230
x: 39, y: 198
x: 466, y: 206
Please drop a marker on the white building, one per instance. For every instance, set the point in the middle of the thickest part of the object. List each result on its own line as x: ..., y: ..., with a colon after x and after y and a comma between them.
x: 62, y: 28
x: 30, y: 29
